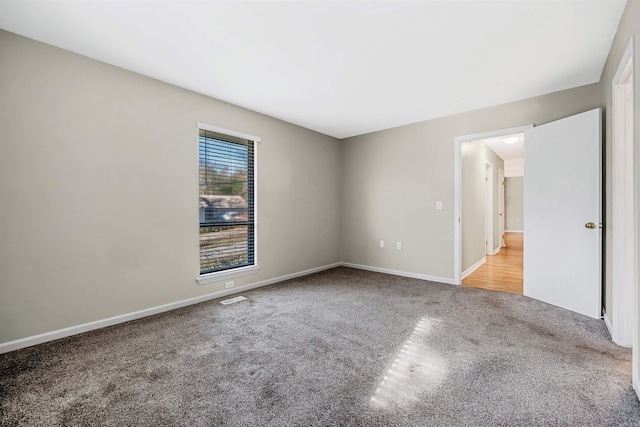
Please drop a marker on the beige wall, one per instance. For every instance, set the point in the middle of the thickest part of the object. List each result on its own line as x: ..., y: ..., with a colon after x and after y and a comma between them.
x: 474, y: 157
x: 393, y: 178
x: 473, y: 203
x: 629, y: 27
x: 514, y: 203
x: 498, y: 164
x: 99, y: 190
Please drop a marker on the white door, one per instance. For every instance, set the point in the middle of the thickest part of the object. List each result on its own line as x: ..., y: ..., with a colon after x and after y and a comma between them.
x: 488, y: 208
x: 501, y: 217
x: 562, y: 194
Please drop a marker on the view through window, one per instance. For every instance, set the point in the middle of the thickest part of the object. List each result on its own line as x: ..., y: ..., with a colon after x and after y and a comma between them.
x: 226, y: 205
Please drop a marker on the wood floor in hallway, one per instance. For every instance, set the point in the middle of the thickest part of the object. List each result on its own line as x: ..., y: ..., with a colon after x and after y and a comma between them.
x: 503, y: 271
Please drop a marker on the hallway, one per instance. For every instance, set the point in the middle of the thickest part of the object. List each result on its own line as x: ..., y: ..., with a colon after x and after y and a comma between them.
x: 503, y: 271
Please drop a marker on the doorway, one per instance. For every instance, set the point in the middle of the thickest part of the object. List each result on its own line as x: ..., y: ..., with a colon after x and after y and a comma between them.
x: 486, y: 268
x: 488, y: 209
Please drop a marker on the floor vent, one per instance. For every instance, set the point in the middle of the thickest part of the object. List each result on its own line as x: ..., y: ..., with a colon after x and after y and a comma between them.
x: 232, y: 300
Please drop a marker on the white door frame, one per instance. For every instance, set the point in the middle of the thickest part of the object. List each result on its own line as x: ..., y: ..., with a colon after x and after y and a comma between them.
x: 501, y: 208
x: 457, y: 191
x: 624, y: 325
x: 488, y: 208
x: 624, y: 233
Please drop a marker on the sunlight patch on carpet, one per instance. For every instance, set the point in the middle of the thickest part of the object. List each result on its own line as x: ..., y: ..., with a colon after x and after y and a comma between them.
x: 417, y: 369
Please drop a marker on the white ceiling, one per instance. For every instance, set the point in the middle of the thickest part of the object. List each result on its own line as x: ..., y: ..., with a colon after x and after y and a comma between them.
x: 507, y: 151
x: 342, y: 68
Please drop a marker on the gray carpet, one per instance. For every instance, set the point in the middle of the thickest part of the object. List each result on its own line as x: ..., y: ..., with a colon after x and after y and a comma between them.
x: 342, y: 347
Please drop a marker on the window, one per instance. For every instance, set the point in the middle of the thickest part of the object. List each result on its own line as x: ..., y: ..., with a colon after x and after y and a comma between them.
x: 227, y: 201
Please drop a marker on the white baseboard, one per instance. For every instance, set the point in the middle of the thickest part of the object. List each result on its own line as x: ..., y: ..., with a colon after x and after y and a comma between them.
x: 473, y: 268
x: 399, y: 273
x: 607, y: 322
x: 636, y: 387
x: 98, y: 324
x: 514, y: 231
x: 495, y: 251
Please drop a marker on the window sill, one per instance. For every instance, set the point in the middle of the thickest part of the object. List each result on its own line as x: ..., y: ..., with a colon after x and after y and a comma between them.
x: 219, y: 276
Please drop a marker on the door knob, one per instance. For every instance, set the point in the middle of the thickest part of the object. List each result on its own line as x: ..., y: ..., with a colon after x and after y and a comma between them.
x: 590, y: 225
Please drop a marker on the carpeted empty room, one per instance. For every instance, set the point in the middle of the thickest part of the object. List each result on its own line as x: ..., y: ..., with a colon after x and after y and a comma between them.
x: 340, y: 347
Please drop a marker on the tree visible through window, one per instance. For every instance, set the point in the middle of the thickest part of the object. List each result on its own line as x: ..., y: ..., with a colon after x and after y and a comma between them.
x: 226, y: 202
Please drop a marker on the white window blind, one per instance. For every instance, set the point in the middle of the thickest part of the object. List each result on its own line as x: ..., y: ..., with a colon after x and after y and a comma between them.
x: 226, y: 205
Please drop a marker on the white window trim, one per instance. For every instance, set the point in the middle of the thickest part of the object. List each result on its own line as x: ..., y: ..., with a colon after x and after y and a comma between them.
x: 223, y: 131
x: 219, y: 276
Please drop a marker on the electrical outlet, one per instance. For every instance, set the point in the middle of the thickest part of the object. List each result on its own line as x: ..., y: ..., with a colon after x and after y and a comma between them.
x: 382, y: 243
x: 439, y: 205
x: 398, y: 245
x: 229, y: 284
